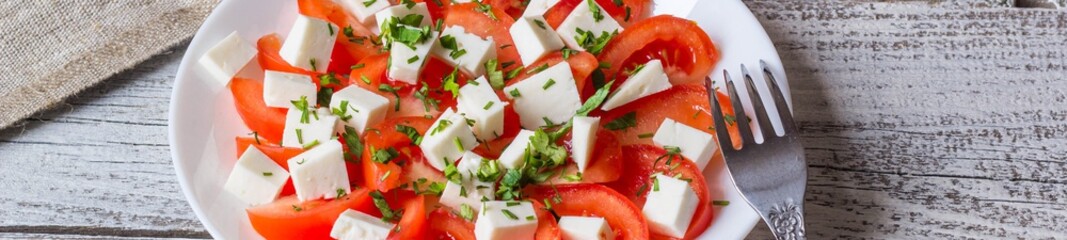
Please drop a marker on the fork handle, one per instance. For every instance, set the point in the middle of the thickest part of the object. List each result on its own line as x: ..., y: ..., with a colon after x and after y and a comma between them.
x: 785, y: 219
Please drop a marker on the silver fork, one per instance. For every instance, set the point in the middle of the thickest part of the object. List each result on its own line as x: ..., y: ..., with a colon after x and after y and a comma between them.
x: 772, y: 175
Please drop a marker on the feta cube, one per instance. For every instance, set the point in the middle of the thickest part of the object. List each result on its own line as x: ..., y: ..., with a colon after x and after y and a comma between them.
x: 447, y: 139
x: 320, y: 127
x: 364, y: 10
x: 498, y: 221
x: 358, y: 108
x: 406, y: 63
x: 585, y: 228
x: 356, y: 225
x: 512, y: 156
x: 479, y: 102
x: 310, y: 43
x: 696, y: 145
x: 256, y: 179
x: 538, y: 7
x: 469, y: 192
x: 534, y: 38
x: 400, y: 11
x: 548, y: 96
x: 320, y: 172
x: 470, y: 163
x: 583, y: 140
x: 455, y: 39
x: 227, y: 57
x: 281, y: 88
x: 582, y: 19
x: 648, y: 80
x: 670, y: 206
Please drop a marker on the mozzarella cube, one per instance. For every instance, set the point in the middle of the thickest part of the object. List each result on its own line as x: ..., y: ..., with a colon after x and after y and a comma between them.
x: 281, y: 88
x: 256, y: 179
x: 363, y: 10
x: 498, y: 221
x: 538, y: 7
x: 320, y: 127
x: 648, y: 80
x: 583, y: 139
x: 455, y: 39
x: 400, y: 11
x: 479, y: 102
x: 696, y: 145
x: 512, y: 156
x: 468, y: 192
x: 356, y: 225
x: 585, y: 228
x: 320, y: 172
x: 310, y: 43
x: 548, y: 96
x: 406, y: 63
x: 582, y: 20
x: 470, y: 163
x: 670, y: 206
x: 535, y: 38
x: 358, y: 108
x: 227, y: 57
x: 447, y: 139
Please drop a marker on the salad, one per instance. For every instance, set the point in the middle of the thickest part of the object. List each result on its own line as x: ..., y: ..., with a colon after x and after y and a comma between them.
x: 493, y: 119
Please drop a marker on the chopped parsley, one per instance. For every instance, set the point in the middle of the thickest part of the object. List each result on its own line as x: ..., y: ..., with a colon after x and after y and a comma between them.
x: 449, y: 83
x: 574, y: 178
x: 514, y: 73
x: 330, y: 27
x: 342, y: 110
x: 730, y: 119
x: 466, y: 212
x: 485, y: 8
x: 428, y: 102
x: 441, y: 125
x: 645, y: 135
x: 625, y: 121
x: 405, y: 30
x: 720, y: 203
x: 341, y: 193
x: 324, y: 96
x: 595, y: 9
x: 493, y: 74
x: 314, y: 65
x: 388, y: 214
x: 302, y: 105
x: 369, y: 2
x: 488, y: 171
x: 390, y: 89
x: 384, y: 155
x: 354, y: 144
x: 592, y: 42
x: 515, y: 92
x: 540, y: 24
x: 655, y: 184
x: 567, y: 53
x: 449, y: 42
x: 672, y: 153
x: 451, y: 172
x: 364, y: 79
x: 410, y: 132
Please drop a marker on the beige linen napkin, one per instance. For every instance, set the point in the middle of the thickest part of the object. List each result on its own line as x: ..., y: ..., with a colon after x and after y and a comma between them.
x: 52, y: 49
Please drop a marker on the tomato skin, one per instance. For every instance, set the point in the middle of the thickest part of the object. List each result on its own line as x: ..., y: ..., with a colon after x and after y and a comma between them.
x: 353, y: 50
x: 685, y: 50
x: 641, y: 164
x: 269, y: 59
x: 373, y: 73
x: 280, y: 220
x: 595, y: 200
x: 448, y: 226
x: 547, y: 227
x: 275, y: 152
x: 582, y: 65
x: 266, y: 121
x: 466, y: 15
x: 412, y: 224
x: 386, y: 176
x: 692, y: 110
x: 605, y: 163
x: 638, y: 10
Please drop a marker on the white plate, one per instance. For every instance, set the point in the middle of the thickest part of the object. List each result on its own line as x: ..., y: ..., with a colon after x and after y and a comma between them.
x: 203, y: 121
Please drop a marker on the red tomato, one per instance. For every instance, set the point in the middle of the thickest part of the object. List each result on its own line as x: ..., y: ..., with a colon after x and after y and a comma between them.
x: 595, y: 200
x: 268, y: 122
x: 605, y: 164
x: 386, y: 176
x: 412, y: 224
x: 690, y: 107
x: 269, y: 59
x: 289, y: 218
x: 278, y: 154
x: 466, y: 15
x: 347, y: 51
x: 547, y: 227
x: 446, y: 225
x: 555, y: 15
x: 582, y: 65
x: 372, y: 74
x: 641, y: 163
x: 685, y: 50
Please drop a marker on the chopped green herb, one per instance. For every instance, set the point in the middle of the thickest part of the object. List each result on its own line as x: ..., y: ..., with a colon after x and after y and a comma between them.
x: 574, y: 178
x: 507, y: 64
x: 538, y: 69
x: 459, y: 144
x: 655, y: 184
x: 413, y: 59
x: 342, y: 110
x: 567, y: 53
x: 297, y: 208
x: 369, y: 2
x: 548, y: 84
x: 390, y: 89
x: 354, y: 145
x: 255, y: 135
x: 364, y: 79
x: 410, y: 132
x: 506, y: 46
x: 466, y: 212
x: 451, y: 172
x: 302, y: 105
x: 730, y: 119
x: 404, y: 30
x: 633, y: 71
x: 384, y: 155
x: 388, y: 214
x: 300, y: 136
x: 441, y: 125
x: 625, y: 121
x: 512, y: 203
x: 357, y: 66
x: 509, y: 214
x: 385, y: 175
x: 311, y: 144
x: 645, y: 135
x: 450, y: 84
x: 330, y: 27
x: 514, y: 73
x: 488, y: 171
x: 488, y: 105
x: 515, y: 93
x: 268, y: 174
x: 314, y: 65
x: 341, y: 193
x: 530, y: 218
x: 641, y: 190
x: 617, y: 2
x: 720, y: 203
x: 485, y: 8
x: 428, y: 102
x: 627, y: 18
x: 540, y: 24
x: 348, y: 32
x: 408, y: 3
x: 592, y: 42
x: 493, y: 74
x: 595, y: 9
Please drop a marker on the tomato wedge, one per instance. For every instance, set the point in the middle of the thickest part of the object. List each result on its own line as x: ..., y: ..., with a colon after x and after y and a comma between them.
x: 371, y: 75
x: 275, y: 152
x: 582, y: 65
x: 412, y: 224
x: 446, y: 225
x: 547, y: 227
x: 289, y: 218
x: 386, y: 176
x: 268, y: 47
x: 641, y: 162
x: 479, y: 23
x: 266, y: 121
x: 684, y: 49
x: 555, y: 15
x: 595, y: 200
x: 605, y: 164
x: 691, y: 108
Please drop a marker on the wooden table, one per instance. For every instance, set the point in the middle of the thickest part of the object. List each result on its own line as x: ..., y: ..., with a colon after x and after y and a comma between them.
x: 921, y: 119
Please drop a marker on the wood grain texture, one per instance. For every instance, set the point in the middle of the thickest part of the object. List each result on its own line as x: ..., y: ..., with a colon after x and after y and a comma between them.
x: 921, y: 120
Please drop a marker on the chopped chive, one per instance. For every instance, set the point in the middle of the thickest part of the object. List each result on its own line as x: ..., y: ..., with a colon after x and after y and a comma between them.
x: 549, y: 84
x: 311, y: 144
x: 720, y: 202
x: 459, y: 144
x: 488, y: 105
x: 413, y: 59
x: 655, y: 184
x: 537, y: 69
x: 530, y: 218
x: 369, y: 2
x: 300, y: 136
x: 515, y: 93
x: 509, y: 214
x: 645, y: 135
x: 268, y: 174
x: 357, y: 66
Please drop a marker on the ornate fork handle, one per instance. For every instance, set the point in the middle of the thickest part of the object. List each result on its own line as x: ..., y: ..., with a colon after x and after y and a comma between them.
x: 786, y: 220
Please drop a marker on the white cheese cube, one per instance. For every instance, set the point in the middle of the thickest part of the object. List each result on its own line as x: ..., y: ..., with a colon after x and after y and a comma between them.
x: 538, y: 7
x: 399, y: 11
x: 512, y: 156
x: 406, y: 63
x: 477, y: 50
x: 583, y: 140
x: 310, y: 43
x: 534, y: 38
x: 648, y: 80
x: 468, y: 165
x: 447, y: 139
x: 281, y: 88
x: 498, y: 221
x: 361, y: 107
x: 356, y: 225
x: 696, y: 145
x: 585, y: 228
x: 670, y: 206
x: 320, y: 172
x: 227, y: 57
x: 363, y: 10
x: 479, y: 102
x: 321, y: 126
x: 256, y: 179
x: 583, y: 18
x: 548, y: 96
x: 469, y: 192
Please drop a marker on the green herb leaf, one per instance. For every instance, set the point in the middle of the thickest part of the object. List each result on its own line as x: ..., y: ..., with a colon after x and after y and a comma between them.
x: 411, y: 132
x: 384, y: 155
x: 466, y: 212
x: 548, y: 84
x: 493, y: 74
x: 509, y: 214
x: 449, y: 83
x: 595, y: 9
x: 354, y: 145
x: 388, y: 214
x: 594, y: 101
x: 369, y: 2
x: 625, y: 121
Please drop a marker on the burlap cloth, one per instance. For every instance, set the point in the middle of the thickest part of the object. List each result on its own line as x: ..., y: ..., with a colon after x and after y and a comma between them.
x: 52, y: 49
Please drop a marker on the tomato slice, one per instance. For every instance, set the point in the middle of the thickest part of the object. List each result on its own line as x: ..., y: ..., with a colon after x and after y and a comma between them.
x: 555, y: 15
x: 266, y: 121
x: 582, y: 65
x: 386, y: 176
x: 371, y: 76
x: 446, y: 225
x: 356, y: 46
x: 475, y: 22
x: 547, y: 227
x: 275, y: 152
x: 269, y: 59
x: 412, y: 224
x: 289, y: 218
x: 684, y: 49
x: 691, y: 108
x: 605, y: 164
x: 641, y: 162
x: 595, y: 200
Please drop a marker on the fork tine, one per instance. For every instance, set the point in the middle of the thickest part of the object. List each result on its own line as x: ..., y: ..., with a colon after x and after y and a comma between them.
x: 726, y: 144
x: 757, y: 106
x: 740, y: 118
x: 788, y: 126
